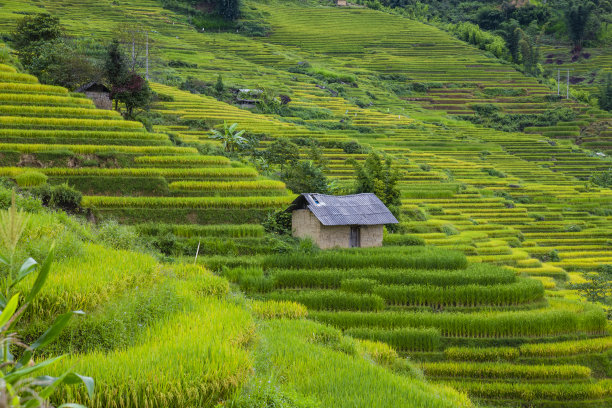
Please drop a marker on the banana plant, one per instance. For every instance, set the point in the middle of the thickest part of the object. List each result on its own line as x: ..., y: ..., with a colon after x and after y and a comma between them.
x: 21, y: 386
x: 230, y: 137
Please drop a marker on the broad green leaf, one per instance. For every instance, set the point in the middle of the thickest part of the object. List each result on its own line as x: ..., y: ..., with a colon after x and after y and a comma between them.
x: 52, y: 332
x: 42, y: 277
x: 26, y: 268
x: 88, y: 382
x: 18, y: 373
x: 9, y: 310
x: 4, y: 260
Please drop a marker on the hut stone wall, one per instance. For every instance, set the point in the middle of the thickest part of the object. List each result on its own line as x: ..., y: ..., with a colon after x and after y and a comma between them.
x: 305, y: 224
x: 100, y: 99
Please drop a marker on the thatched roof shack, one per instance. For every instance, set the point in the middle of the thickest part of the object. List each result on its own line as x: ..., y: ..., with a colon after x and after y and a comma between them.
x: 355, y: 220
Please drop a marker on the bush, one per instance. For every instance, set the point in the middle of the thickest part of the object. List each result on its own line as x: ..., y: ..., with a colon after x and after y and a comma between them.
x: 278, y: 222
x: 62, y: 197
x: 30, y: 178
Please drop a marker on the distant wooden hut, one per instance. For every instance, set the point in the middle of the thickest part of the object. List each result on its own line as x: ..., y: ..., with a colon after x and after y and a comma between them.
x: 98, y: 93
x: 349, y: 221
x: 341, y: 3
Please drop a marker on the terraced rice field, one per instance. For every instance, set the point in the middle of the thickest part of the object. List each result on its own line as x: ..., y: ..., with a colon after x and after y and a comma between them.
x: 508, y: 337
x: 63, y: 136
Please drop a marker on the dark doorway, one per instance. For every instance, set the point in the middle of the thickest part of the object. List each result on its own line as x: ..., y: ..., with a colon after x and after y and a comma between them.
x: 355, y: 239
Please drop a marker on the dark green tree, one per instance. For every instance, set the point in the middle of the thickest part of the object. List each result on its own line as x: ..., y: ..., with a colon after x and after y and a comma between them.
x: 229, y: 9
x: 59, y: 63
x: 135, y: 95
x: 605, y: 93
x: 580, y: 21
x: 282, y: 152
x: 32, y: 33
x: 305, y: 177
x: 598, y: 285
x: 36, y: 29
x: 219, y: 85
x: 512, y: 34
x: 378, y: 176
x: 115, y: 64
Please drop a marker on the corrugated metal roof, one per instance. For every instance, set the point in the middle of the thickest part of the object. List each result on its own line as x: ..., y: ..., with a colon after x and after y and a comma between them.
x: 355, y: 209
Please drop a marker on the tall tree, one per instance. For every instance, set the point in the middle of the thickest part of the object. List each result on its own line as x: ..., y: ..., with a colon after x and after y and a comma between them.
x: 33, y: 32
x: 578, y: 16
x: 378, y: 176
x: 605, y: 93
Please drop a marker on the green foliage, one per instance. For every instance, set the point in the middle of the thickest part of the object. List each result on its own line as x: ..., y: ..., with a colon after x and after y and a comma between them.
x: 282, y: 152
x: 378, y: 177
x: 598, y: 285
x: 231, y: 138
x: 605, y: 93
x: 603, y: 179
x: 22, y: 385
x: 486, y: 41
x: 305, y: 177
x: 62, y: 197
x: 408, y: 339
x: 33, y: 31
x: 278, y: 222
x: 581, y: 22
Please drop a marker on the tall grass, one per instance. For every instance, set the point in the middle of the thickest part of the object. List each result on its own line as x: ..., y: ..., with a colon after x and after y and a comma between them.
x: 193, y: 359
x: 526, y: 392
x: 219, y: 173
x: 337, y: 377
x: 185, y: 202
x: 540, y: 323
x: 477, y: 274
x: 523, y: 291
x: 255, y: 185
x: 408, y: 339
x: 87, y: 281
x: 331, y: 300
x: 391, y: 257
x: 217, y: 231
x: 193, y: 159
x: 506, y: 371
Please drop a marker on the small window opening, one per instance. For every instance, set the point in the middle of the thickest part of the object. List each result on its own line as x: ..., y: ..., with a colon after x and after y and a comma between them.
x: 314, y: 199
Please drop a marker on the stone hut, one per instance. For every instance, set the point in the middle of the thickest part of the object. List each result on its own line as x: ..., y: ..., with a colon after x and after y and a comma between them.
x: 340, y: 221
x: 98, y: 93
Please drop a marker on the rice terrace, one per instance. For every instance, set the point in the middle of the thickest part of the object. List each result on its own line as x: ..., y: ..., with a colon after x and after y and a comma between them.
x: 306, y: 203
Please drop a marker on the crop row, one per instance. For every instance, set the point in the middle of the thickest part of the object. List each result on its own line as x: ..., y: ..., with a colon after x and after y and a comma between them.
x: 480, y: 325
x: 386, y: 257
x: 47, y: 111
x: 477, y: 274
x: 69, y: 123
x: 80, y: 134
x: 36, y: 99
x: 408, y: 339
x: 34, y: 88
x: 213, y: 172
x: 185, y: 202
x: 331, y: 300
x: 529, y: 391
x: 227, y: 185
x: 523, y: 291
x: 92, y: 149
x: 506, y: 371
x: 192, y: 159
x: 561, y: 349
x: 190, y: 231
